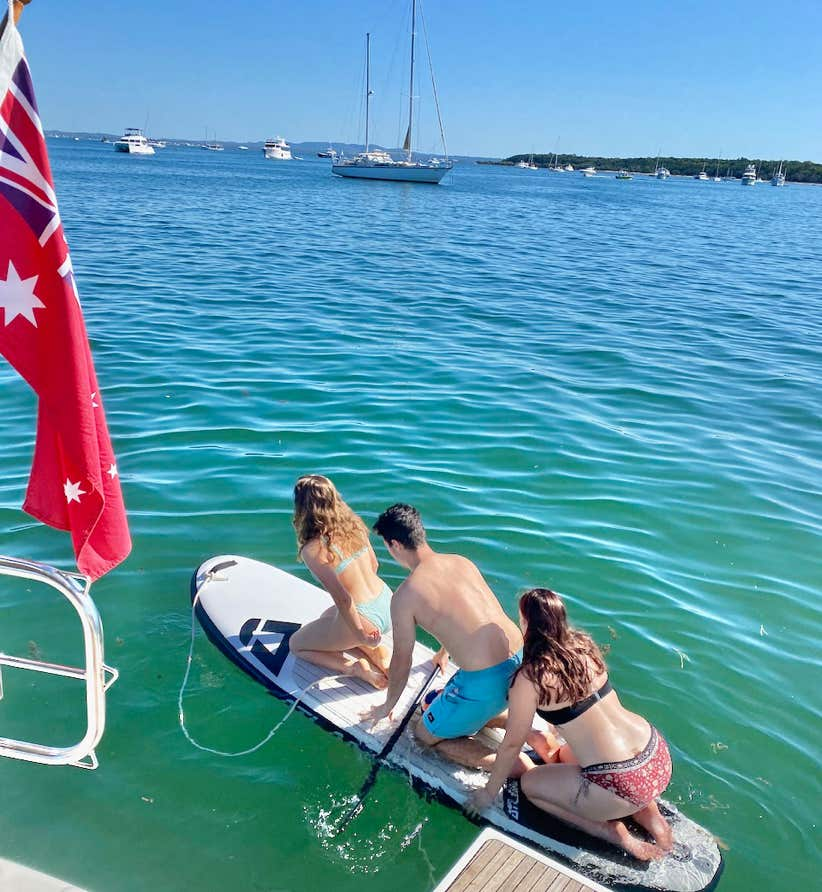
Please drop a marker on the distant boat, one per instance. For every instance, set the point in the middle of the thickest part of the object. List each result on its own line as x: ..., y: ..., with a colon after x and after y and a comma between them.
x: 623, y: 175
x: 778, y: 179
x: 157, y: 143
x: 378, y: 164
x: 661, y: 173
x: 717, y: 177
x: 243, y: 148
x: 588, y: 171
x: 277, y: 149
x: 133, y: 142
x: 702, y: 175
x: 569, y: 168
x: 330, y: 152
x: 212, y: 146
x: 749, y: 177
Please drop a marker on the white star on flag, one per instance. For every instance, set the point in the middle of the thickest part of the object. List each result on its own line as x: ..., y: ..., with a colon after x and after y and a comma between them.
x: 94, y: 403
x: 112, y: 471
x: 17, y: 297
x: 73, y: 491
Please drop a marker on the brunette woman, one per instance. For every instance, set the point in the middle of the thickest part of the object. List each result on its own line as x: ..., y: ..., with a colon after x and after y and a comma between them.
x: 615, y: 763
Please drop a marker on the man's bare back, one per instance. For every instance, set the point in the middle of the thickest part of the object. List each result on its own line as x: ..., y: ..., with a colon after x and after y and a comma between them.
x: 446, y: 595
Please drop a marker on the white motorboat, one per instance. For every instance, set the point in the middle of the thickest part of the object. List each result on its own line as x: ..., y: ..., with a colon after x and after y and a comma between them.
x: 157, y: 143
x: 277, y: 149
x: 133, y: 142
x: 749, y: 177
x: 662, y: 173
x: 702, y: 175
x: 378, y: 164
x: 569, y: 168
x: 778, y: 179
x: 588, y: 171
x: 624, y: 175
x: 330, y: 152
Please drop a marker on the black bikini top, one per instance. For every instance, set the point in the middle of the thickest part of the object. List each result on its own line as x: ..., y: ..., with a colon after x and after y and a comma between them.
x: 567, y: 713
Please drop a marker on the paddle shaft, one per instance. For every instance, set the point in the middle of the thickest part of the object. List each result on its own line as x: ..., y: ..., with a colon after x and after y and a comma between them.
x: 389, y: 745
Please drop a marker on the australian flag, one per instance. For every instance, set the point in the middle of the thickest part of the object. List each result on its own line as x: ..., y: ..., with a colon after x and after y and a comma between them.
x: 74, y: 483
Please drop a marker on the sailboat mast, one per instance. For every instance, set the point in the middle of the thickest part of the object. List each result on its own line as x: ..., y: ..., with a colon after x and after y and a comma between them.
x: 367, y: 84
x: 407, y: 145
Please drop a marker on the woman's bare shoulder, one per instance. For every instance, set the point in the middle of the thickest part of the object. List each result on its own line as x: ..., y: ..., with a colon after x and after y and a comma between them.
x: 316, y: 551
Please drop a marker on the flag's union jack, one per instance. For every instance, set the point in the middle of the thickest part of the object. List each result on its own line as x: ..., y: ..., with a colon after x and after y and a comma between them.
x: 74, y: 481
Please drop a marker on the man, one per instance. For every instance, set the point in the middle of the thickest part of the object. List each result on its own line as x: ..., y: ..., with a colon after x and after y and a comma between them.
x: 446, y: 595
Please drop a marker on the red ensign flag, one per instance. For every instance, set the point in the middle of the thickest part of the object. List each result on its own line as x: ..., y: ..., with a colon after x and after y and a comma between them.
x: 74, y: 484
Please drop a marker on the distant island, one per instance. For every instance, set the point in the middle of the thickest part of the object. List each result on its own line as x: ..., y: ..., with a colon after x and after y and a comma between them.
x: 795, y: 171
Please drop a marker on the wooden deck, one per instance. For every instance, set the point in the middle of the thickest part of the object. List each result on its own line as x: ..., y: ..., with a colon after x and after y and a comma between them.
x: 495, y: 863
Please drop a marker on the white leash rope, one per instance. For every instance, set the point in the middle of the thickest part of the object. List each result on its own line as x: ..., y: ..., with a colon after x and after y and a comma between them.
x: 211, y: 575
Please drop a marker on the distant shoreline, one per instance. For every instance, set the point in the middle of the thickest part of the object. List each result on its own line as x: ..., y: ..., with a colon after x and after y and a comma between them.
x: 796, y: 171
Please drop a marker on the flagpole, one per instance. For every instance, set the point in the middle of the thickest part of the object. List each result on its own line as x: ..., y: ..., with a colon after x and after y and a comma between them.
x: 18, y: 9
x: 17, y: 6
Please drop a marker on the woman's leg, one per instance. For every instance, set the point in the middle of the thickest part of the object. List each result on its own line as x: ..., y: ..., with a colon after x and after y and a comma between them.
x: 323, y: 642
x: 561, y: 791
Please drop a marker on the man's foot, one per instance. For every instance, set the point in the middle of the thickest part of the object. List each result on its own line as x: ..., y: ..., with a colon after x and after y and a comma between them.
x: 619, y: 834
x: 651, y: 820
x: 363, y: 670
x: 544, y: 744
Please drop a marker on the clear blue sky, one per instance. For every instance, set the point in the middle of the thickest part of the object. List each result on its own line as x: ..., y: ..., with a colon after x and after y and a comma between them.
x: 687, y: 78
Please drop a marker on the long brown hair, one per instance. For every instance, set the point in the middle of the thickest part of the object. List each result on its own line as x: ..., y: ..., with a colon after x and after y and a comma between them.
x: 561, y: 661
x: 321, y: 513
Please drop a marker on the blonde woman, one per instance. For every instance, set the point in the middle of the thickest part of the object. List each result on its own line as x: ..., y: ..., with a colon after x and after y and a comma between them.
x: 333, y: 543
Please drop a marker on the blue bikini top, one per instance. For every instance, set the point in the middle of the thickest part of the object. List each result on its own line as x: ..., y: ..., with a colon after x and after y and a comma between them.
x: 345, y: 561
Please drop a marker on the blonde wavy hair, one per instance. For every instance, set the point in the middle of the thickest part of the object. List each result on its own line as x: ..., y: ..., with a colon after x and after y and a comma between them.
x: 320, y: 513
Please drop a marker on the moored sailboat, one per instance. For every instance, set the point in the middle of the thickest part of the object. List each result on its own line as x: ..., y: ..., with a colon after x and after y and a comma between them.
x: 778, y: 179
x: 378, y: 164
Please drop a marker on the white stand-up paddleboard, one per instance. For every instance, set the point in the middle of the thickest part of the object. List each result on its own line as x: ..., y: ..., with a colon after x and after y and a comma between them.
x: 249, y: 610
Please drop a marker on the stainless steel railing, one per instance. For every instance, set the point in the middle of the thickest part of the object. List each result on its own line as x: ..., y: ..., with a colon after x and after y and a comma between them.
x: 97, y: 675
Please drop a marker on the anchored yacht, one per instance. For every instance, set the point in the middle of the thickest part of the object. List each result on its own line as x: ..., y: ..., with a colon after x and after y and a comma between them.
x: 277, y: 150
x: 378, y: 164
x: 134, y: 143
x: 749, y: 177
x: 588, y: 171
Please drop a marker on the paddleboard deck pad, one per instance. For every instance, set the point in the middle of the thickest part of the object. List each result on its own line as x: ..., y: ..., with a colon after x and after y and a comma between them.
x: 250, y: 609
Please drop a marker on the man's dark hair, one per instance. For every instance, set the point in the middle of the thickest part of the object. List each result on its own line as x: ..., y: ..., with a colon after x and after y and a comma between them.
x: 401, y: 523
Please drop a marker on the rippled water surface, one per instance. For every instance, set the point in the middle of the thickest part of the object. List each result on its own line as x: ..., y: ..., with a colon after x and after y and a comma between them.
x: 610, y: 388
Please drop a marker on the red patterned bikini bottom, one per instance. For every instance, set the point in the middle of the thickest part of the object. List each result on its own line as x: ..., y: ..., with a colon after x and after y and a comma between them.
x: 638, y: 780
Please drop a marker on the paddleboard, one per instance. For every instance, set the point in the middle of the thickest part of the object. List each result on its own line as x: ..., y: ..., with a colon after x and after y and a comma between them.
x: 250, y: 609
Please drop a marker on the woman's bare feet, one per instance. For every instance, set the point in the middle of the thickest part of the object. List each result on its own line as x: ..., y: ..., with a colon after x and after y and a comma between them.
x: 363, y: 670
x: 619, y: 834
x: 650, y: 818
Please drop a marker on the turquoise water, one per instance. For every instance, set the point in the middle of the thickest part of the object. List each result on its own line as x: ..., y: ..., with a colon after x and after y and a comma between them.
x: 610, y: 388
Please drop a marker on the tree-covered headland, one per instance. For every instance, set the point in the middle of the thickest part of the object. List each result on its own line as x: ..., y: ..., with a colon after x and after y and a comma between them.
x: 795, y: 171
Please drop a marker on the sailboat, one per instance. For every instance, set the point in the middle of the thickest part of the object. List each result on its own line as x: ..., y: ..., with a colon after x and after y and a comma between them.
x: 717, y: 177
x: 378, y: 164
x: 778, y: 179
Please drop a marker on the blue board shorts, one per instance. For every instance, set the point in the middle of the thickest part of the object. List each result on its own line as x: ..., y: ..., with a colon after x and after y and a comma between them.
x: 470, y: 699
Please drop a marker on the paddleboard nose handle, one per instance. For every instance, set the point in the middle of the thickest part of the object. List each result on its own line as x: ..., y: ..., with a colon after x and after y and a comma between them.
x: 221, y: 566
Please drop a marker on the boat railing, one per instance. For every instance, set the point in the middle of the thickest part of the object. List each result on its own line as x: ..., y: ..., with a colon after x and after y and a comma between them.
x: 98, y: 677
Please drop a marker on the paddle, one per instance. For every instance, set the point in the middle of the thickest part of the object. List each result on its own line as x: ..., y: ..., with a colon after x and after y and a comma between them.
x: 389, y: 745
